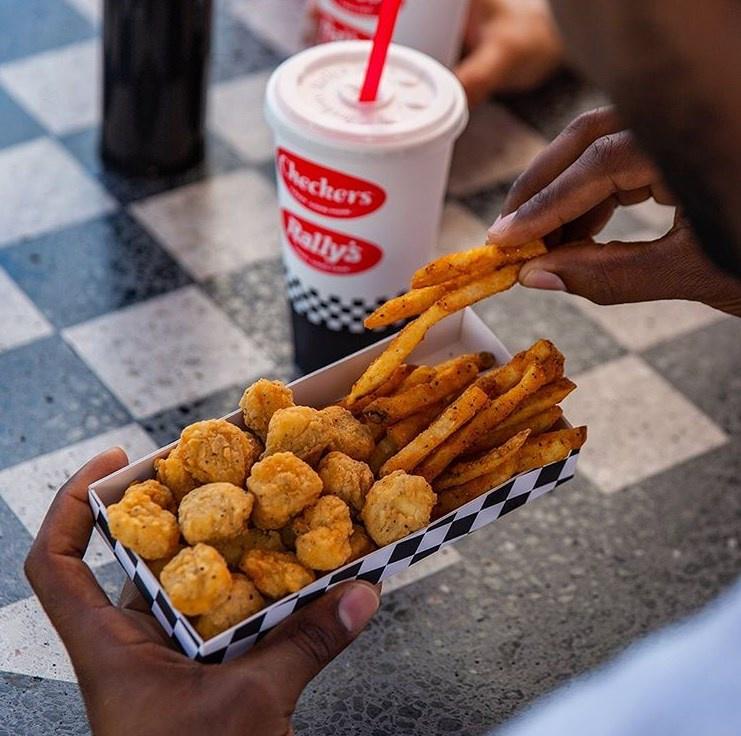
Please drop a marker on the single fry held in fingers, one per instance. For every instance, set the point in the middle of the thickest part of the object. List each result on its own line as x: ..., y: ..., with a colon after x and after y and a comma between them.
x: 454, y: 417
x: 476, y: 260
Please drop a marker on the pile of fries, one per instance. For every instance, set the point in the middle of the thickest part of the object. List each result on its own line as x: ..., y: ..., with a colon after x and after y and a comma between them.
x: 464, y: 425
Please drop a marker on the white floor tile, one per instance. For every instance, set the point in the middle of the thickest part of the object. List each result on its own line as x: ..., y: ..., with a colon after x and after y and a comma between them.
x: 28, y: 488
x: 217, y: 225
x: 60, y: 88
x: 33, y: 204
x: 638, y: 423
x: 460, y: 229
x: 91, y: 9
x: 643, y: 325
x: 495, y: 147
x: 237, y: 115
x: 166, y: 351
x: 20, y: 322
x: 30, y: 646
x: 282, y: 24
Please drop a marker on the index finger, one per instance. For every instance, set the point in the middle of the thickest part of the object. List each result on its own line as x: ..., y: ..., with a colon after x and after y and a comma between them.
x: 610, y: 165
x: 63, y: 583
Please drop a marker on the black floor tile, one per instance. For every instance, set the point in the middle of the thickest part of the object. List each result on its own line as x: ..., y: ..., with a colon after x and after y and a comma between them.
x: 91, y: 269
x: 16, y: 125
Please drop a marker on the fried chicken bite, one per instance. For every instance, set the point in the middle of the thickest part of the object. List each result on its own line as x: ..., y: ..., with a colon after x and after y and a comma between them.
x: 260, y: 401
x: 275, y: 574
x: 397, y: 505
x: 360, y: 543
x: 348, y: 435
x: 323, y: 534
x: 215, y: 451
x: 347, y: 478
x: 144, y: 527
x: 160, y: 494
x: 157, y: 566
x: 214, y: 512
x: 243, y: 600
x: 197, y: 580
x: 283, y: 486
x: 233, y: 549
x: 300, y: 430
x: 172, y: 473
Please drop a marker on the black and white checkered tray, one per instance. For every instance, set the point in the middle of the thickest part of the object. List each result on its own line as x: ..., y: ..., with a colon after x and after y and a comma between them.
x: 458, y: 334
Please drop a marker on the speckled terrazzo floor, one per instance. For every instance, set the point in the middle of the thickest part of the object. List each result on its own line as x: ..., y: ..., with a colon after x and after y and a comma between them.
x: 646, y: 533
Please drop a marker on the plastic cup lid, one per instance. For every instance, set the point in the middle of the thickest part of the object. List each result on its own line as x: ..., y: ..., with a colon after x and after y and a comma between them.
x: 317, y: 90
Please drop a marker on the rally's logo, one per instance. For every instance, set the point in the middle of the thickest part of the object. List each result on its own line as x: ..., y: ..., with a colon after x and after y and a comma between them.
x: 326, y: 191
x: 361, y: 7
x: 330, y: 28
x: 327, y: 250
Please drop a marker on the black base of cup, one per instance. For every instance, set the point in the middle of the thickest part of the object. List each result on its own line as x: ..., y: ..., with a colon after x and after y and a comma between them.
x: 317, y: 346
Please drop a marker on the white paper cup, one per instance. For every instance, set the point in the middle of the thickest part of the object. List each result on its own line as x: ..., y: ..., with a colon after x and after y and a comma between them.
x: 360, y: 185
x: 434, y: 27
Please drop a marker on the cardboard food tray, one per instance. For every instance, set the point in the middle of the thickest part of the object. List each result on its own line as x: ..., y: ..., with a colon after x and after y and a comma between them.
x: 461, y: 333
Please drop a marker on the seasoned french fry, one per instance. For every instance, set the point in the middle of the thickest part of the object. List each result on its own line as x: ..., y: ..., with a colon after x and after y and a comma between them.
x: 537, y: 425
x: 476, y: 260
x: 397, y: 379
x: 414, y: 302
x: 421, y: 374
x: 408, y: 339
x: 487, y: 463
x: 385, y: 449
x: 499, y: 408
x: 484, y: 360
x: 453, y: 498
x: 549, y: 448
x: 376, y: 430
x: 391, y: 409
x: 403, y: 432
x: 454, y: 417
x: 506, y: 376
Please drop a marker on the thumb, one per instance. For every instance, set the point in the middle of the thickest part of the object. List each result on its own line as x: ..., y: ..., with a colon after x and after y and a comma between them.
x: 616, y: 272
x: 305, y: 643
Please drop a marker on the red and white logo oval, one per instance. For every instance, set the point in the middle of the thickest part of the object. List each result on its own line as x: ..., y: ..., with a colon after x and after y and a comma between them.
x: 326, y: 191
x: 361, y: 7
x: 327, y: 250
x: 330, y: 28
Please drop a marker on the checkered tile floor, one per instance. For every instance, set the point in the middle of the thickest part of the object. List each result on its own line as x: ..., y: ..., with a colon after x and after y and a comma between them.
x: 131, y: 308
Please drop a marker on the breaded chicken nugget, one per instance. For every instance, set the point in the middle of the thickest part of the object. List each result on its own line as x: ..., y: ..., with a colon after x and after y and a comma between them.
x: 172, y: 473
x: 233, y: 549
x: 160, y: 494
x: 360, y: 543
x: 300, y: 430
x: 396, y: 506
x: 323, y: 534
x: 215, y: 451
x: 143, y: 526
x: 283, y: 486
x: 348, y: 434
x: 275, y: 574
x: 197, y: 580
x: 157, y: 566
x: 347, y: 478
x: 243, y: 600
x: 214, y: 511
x: 260, y: 401
x: 323, y: 549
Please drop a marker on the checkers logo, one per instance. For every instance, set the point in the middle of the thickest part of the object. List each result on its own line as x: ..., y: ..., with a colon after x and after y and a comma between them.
x: 330, y: 28
x: 361, y: 7
x: 325, y: 191
x: 327, y: 250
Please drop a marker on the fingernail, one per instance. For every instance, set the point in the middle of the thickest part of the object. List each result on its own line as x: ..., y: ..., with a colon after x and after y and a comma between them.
x: 538, y: 279
x: 357, y: 606
x: 500, y: 226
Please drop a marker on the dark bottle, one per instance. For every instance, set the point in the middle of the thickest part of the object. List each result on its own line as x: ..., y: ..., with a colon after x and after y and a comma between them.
x: 155, y: 72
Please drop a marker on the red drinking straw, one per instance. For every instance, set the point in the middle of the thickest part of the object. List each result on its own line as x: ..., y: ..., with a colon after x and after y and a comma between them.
x: 381, y: 41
